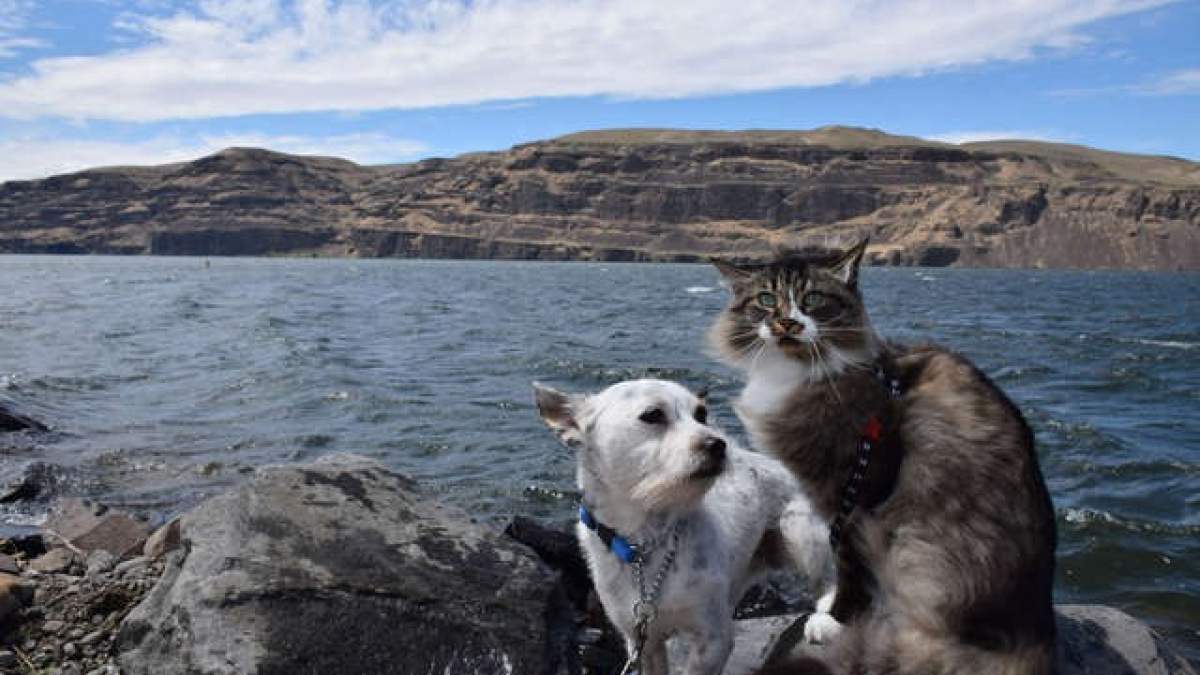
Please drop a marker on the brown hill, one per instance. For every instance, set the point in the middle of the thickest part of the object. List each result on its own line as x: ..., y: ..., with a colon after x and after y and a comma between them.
x: 640, y: 194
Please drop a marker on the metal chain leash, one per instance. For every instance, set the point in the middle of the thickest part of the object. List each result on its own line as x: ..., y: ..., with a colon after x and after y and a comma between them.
x: 645, y: 609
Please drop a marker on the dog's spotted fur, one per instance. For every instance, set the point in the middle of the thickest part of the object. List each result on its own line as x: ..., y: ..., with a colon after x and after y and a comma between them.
x: 647, y: 459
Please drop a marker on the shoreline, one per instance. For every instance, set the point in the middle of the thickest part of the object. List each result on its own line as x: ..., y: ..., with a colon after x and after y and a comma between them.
x: 81, y: 609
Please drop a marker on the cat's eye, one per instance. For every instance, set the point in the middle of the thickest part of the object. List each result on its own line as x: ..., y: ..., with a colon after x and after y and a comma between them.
x: 819, y: 305
x: 653, y: 416
x: 767, y: 300
x: 814, y: 301
x: 701, y: 415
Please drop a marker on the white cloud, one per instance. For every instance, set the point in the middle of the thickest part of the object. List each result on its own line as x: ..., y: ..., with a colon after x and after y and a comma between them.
x: 39, y: 156
x: 237, y: 57
x: 979, y: 135
x: 13, y: 17
x: 1181, y: 83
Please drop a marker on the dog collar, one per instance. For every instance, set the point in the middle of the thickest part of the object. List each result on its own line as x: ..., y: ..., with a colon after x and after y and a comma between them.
x: 620, y: 546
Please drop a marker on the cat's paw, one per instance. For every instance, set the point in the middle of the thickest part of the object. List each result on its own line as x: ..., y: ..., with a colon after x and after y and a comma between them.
x: 821, y: 627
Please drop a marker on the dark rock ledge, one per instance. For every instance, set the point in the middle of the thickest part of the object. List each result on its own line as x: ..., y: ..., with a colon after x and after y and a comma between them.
x: 342, y: 566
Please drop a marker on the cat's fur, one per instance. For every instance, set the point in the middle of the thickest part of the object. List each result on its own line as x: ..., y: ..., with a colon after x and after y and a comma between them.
x: 947, y: 562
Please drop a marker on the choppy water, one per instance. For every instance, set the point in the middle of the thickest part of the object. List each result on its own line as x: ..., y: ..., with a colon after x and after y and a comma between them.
x: 166, y: 379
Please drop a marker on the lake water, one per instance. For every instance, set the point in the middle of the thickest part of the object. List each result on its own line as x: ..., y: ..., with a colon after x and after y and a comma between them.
x: 166, y: 380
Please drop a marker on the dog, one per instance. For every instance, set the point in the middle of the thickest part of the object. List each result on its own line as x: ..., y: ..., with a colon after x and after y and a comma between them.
x: 677, y: 521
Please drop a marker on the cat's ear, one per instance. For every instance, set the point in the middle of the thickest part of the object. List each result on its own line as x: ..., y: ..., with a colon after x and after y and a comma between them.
x: 737, y: 275
x: 558, y: 412
x: 846, y: 267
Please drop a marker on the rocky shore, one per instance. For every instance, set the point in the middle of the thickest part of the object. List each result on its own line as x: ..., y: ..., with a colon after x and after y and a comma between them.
x: 342, y: 566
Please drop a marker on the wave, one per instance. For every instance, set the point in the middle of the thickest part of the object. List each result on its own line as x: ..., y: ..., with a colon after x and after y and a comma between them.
x: 1084, y: 518
x: 1170, y: 344
x: 700, y: 290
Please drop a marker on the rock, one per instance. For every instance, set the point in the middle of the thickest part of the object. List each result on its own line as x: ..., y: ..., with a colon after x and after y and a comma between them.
x: 8, y: 565
x: 164, y: 540
x: 558, y: 549
x: 342, y: 567
x: 89, y: 528
x: 15, y: 593
x: 100, y: 562
x: 33, y: 481
x: 1092, y: 640
x: 11, y: 421
x: 55, y: 561
x: 1099, y: 640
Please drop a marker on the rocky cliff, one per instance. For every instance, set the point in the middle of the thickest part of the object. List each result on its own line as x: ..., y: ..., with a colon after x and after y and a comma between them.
x: 640, y: 195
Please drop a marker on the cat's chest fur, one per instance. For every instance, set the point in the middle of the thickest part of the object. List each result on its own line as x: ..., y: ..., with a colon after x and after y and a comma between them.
x: 770, y: 382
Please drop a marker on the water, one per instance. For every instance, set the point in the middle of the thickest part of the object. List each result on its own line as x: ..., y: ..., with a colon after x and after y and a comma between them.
x: 166, y: 380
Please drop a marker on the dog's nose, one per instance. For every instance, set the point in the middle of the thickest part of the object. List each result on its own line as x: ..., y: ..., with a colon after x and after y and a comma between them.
x: 715, y: 449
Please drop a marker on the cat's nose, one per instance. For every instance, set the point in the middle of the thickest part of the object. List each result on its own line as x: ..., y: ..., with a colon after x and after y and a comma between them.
x: 788, y: 324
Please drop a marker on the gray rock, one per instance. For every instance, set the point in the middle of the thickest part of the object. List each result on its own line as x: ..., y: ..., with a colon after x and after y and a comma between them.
x: 1092, y: 640
x: 164, y: 540
x: 100, y: 562
x: 90, y: 527
x: 11, y: 420
x: 1099, y: 640
x: 342, y: 567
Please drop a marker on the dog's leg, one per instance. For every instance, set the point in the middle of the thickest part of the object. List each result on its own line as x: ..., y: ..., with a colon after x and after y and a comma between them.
x: 806, y: 538
x: 654, y: 656
x: 710, y: 650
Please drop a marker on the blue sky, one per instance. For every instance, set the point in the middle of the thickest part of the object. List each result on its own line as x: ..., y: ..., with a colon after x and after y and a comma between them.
x: 101, y: 82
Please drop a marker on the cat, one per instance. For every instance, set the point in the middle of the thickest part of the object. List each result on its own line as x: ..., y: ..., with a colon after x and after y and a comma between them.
x: 944, y: 533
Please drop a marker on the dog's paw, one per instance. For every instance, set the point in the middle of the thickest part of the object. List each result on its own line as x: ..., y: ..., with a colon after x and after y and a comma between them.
x: 821, y: 628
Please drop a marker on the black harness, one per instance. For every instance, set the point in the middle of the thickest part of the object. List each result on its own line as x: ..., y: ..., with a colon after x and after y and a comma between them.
x: 870, y: 440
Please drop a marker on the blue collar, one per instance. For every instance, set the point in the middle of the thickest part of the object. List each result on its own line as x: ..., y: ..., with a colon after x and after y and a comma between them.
x: 620, y: 546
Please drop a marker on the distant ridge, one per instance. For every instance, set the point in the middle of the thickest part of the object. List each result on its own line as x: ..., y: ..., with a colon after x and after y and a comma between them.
x: 640, y: 194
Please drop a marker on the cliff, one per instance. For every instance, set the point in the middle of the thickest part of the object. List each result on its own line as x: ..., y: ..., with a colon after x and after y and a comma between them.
x: 639, y: 195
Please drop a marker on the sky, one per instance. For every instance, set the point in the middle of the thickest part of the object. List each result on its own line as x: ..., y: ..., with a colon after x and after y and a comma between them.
x: 87, y: 83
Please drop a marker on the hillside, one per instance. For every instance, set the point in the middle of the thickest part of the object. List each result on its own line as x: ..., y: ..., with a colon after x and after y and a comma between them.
x: 640, y: 194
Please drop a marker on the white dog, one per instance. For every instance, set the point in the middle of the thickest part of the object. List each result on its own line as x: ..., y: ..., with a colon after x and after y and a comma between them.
x: 677, y: 522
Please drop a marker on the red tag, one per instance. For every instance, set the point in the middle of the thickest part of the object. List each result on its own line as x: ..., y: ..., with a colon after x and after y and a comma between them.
x: 873, y: 430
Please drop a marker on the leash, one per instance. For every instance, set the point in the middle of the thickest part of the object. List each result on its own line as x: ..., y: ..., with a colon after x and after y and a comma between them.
x: 645, y: 608
x: 872, y: 434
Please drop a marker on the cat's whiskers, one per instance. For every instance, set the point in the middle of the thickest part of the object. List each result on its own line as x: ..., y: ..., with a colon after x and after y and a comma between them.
x: 825, y: 371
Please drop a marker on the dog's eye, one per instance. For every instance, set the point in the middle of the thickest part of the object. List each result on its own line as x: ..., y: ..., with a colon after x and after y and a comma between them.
x: 653, y: 416
x: 701, y: 415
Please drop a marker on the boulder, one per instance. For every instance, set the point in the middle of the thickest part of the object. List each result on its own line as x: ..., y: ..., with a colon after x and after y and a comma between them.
x: 1092, y: 640
x: 341, y: 566
x: 1100, y: 640
x: 15, y: 593
x: 11, y: 420
x: 86, y: 528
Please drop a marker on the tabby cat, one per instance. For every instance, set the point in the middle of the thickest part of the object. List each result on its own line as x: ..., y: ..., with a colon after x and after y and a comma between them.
x: 943, y: 527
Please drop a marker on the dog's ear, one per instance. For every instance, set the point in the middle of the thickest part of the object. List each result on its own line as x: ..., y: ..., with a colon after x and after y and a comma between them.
x: 558, y: 412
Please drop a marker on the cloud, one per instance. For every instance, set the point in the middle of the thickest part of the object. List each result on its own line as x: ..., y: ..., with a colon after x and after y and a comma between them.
x: 1181, y: 83
x: 37, y: 156
x: 239, y: 57
x: 13, y: 17
x: 976, y: 136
